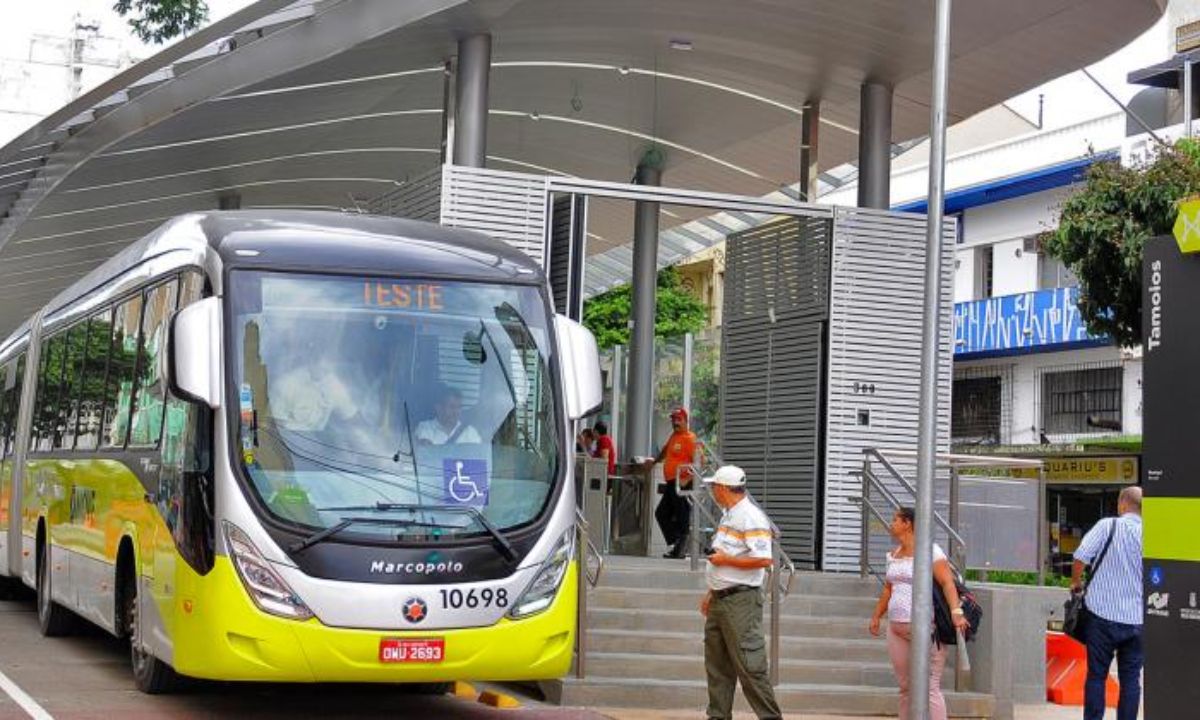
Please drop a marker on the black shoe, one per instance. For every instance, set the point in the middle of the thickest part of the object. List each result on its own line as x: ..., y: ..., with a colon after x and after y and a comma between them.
x: 675, y: 553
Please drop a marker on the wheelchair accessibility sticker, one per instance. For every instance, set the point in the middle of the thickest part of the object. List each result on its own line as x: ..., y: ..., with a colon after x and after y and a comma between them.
x: 464, y: 482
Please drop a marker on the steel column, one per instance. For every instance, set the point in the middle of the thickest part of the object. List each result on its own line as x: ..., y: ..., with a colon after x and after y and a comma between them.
x: 810, y: 124
x: 922, y: 612
x: 471, y: 100
x: 1188, y: 98
x: 641, y: 330
x: 875, y: 146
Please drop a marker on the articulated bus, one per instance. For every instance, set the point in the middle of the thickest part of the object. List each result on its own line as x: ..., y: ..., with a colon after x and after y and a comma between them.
x: 301, y: 446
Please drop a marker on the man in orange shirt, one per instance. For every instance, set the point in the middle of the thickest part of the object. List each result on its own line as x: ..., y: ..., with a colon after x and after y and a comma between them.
x: 674, y: 511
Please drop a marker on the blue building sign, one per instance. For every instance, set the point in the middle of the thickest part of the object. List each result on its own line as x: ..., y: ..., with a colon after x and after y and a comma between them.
x: 1015, y: 324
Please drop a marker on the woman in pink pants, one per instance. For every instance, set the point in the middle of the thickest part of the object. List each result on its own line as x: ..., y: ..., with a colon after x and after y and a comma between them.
x: 896, y: 600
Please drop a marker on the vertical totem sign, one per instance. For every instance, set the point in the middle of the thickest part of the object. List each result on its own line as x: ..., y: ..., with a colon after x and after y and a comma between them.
x: 1171, y: 402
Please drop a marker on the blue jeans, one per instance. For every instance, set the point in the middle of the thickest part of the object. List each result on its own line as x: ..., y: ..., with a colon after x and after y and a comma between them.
x: 1104, y: 638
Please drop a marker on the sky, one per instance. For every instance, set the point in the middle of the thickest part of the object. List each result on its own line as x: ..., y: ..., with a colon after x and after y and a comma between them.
x: 34, y: 80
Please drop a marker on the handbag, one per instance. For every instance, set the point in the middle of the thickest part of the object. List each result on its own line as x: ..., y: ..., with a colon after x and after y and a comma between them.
x: 1075, y: 611
x: 945, y: 633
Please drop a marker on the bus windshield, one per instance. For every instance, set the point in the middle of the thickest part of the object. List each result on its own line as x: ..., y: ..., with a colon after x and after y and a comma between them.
x: 409, y: 402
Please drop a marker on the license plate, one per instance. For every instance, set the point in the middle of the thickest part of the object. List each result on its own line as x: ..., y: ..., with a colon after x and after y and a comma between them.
x: 398, y: 650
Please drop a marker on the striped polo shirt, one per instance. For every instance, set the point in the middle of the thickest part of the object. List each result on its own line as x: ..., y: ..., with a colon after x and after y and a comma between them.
x: 744, y: 531
x: 1115, y: 592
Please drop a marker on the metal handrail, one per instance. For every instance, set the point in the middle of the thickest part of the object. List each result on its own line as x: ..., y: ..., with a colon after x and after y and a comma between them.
x: 587, y: 551
x: 899, y: 477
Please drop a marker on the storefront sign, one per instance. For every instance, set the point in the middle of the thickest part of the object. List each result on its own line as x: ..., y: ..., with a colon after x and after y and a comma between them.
x: 1085, y: 470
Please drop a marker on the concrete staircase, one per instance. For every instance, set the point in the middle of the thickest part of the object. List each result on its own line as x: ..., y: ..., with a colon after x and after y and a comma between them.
x: 645, y: 646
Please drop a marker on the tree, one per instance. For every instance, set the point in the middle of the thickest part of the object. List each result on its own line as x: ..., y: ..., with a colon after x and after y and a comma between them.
x: 1103, y: 227
x: 160, y: 20
x: 678, y: 312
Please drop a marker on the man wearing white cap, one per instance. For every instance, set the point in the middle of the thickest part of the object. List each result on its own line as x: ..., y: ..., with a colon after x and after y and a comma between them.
x: 734, y: 648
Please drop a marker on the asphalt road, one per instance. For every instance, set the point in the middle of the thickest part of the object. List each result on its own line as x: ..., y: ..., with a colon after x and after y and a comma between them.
x: 88, y: 676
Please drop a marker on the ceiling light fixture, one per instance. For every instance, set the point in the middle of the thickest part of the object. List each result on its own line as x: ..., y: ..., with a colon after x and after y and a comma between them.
x: 624, y: 69
x: 678, y: 44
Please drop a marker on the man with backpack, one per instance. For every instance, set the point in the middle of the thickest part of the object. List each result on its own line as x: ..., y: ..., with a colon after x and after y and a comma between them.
x: 1113, y: 550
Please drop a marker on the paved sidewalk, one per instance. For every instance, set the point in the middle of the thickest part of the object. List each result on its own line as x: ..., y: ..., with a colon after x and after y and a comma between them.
x: 1024, y: 712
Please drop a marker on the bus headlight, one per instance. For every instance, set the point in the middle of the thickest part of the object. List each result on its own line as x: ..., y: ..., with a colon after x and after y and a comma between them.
x: 266, y: 588
x: 540, y: 593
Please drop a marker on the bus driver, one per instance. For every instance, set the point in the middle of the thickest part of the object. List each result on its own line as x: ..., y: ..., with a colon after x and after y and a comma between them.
x: 446, y: 428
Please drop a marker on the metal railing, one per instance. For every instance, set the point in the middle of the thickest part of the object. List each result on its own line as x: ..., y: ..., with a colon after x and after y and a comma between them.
x: 587, y: 579
x: 782, y: 566
x: 879, y: 483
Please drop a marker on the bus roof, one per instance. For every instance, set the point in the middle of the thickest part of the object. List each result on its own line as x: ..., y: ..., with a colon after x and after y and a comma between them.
x: 318, y: 240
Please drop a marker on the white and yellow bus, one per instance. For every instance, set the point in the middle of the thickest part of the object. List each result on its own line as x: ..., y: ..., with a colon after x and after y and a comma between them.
x: 301, y: 446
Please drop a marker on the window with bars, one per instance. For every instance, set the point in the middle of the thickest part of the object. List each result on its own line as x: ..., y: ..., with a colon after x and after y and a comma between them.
x: 976, y: 411
x: 1086, y: 400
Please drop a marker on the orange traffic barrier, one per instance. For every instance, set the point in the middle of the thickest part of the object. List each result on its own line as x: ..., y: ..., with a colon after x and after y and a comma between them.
x: 1066, y: 672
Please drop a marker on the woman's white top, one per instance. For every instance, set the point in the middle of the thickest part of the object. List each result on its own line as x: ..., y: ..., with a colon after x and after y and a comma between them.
x: 899, y: 575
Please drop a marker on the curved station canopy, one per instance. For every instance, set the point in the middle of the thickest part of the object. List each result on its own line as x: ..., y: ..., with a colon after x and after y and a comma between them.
x: 328, y: 104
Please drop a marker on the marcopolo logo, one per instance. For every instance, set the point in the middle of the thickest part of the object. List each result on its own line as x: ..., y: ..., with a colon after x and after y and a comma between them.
x: 382, y: 567
x: 1155, y: 338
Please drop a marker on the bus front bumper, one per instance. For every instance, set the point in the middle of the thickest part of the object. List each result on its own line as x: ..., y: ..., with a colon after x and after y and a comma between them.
x: 220, y: 634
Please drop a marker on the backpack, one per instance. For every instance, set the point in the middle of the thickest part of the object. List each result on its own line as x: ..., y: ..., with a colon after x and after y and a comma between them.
x: 943, y: 621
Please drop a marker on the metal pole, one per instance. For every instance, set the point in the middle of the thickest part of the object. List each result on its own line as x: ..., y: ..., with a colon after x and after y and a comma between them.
x: 810, y: 124
x: 1043, y: 544
x: 581, y: 615
x: 875, y: 146
x: 773, y: 584
x: 865, y: 531
x: 688, y: 344
x: 471, y: 100
x: 447, y: 112
x: 955, y: 548
x: 922, y: 612
x: 641, y: 331
x: 618, y: 372
x: 1187, y: 98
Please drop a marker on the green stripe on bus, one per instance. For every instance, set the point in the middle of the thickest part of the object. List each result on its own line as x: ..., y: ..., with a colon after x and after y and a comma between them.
x: 1170, y: 528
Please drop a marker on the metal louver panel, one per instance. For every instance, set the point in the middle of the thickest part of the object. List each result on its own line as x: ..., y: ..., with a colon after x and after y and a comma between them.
x: 775, y: 311
x: 507, y: 206
x: 418, y: 199
x: 875, y: 323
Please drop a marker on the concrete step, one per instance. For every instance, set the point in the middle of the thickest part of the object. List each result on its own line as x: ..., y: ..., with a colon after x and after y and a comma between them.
x: 690, y: 620
x: 649, y: 573
x: 692, y: 643
x: 793, y: 698
x: 636, y: 666
x: 859, y: 606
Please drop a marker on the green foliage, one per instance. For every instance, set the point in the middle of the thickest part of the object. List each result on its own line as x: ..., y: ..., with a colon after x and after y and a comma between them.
x: 1103, y: 227
x: 678, y: 312
x: 706, y: 395
x: 1014, y: 577
x: 161, y: 20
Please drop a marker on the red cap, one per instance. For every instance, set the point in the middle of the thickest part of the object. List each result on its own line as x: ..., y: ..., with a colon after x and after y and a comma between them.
x: 679, y: 413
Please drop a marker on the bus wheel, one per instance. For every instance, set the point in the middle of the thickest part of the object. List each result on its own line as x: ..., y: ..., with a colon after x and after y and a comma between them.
x: 152, y: 676
x: 53, y: 619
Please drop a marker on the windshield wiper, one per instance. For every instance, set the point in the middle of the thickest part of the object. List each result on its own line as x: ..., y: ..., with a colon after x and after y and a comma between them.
x: 347, y: 522
x: 502, y: 543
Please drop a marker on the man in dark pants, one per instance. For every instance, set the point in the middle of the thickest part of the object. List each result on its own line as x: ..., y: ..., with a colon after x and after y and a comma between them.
x: 734, y: 647
x: 677, y: 456
x: 1114, y: 600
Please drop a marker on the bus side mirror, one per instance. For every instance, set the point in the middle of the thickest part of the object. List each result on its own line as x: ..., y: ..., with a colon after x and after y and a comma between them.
x: 194, y: 349
x: 579, y: 360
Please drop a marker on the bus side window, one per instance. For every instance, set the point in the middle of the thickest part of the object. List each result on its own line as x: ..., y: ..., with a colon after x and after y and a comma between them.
x: 13, y: 383
x: 146, y: 425
x: 49, y: 386
x: 95, y: 369
x: 74, y: 342
x: 118, y: 389
x: 185, y: 483
x: 6, y: 372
